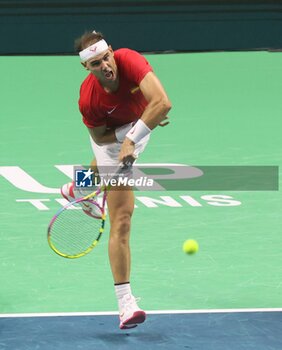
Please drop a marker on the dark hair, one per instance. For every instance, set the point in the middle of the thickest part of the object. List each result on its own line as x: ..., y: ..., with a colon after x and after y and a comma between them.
x: 87, y: 39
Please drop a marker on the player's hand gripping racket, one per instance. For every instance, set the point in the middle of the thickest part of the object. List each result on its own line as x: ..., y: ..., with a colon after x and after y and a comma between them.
x: 73, y: 234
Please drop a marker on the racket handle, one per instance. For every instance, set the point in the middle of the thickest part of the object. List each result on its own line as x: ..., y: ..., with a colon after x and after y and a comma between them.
x: 126, y: 165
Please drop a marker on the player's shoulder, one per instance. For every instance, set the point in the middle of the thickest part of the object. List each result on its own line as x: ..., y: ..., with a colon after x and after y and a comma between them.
x: 88, y: 86
x: 125, y: 53
x: 89, y: 80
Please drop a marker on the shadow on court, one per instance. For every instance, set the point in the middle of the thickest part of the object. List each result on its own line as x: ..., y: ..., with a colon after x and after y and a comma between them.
x: 205, y: 331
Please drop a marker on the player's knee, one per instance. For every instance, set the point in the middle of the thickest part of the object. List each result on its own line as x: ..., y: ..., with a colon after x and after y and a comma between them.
x: 121, y: 225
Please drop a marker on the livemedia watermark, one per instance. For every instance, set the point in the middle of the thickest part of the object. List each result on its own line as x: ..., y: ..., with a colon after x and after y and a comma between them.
x: 180, y: 177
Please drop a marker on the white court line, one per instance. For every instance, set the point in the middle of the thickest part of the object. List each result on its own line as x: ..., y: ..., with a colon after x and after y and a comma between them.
x: 152, y: 312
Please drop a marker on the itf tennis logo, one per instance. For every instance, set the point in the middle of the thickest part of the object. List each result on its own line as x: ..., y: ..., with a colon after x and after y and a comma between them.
x: 83, y: 178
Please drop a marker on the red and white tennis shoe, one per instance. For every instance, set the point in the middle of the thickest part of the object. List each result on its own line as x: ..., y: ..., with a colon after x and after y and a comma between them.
x: 130, y: 314
x: 71, y: 193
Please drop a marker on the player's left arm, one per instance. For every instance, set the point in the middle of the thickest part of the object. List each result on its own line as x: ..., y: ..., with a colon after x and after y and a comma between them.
x: 158, y: 101
x: 154, y: 114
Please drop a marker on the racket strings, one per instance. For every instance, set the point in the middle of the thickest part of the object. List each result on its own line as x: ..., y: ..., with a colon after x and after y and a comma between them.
x: 73, y: 232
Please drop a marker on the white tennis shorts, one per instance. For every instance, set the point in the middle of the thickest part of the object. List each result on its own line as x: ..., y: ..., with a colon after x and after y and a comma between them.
x: 107, y: 155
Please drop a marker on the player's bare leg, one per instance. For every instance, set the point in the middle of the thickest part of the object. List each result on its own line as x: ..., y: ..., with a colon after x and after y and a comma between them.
x: 121, y: 206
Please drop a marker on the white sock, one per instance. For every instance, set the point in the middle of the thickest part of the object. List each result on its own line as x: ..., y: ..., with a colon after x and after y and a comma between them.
x: 122, y: 289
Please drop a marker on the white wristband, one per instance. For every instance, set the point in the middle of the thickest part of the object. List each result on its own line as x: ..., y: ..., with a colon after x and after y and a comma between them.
x: 139, y: 130
x: 122, y: 131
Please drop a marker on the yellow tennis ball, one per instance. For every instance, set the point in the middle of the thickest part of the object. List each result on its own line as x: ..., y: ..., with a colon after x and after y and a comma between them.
x: 190, y: 246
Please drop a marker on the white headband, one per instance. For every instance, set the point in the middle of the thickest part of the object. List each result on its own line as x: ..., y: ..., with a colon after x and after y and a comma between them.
x: 93, y: 50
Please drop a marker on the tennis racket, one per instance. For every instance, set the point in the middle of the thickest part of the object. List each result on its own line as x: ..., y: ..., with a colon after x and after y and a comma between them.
x: 71, y: 233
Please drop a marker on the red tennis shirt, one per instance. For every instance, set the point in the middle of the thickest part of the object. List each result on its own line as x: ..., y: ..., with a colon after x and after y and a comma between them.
x: 125, y: 105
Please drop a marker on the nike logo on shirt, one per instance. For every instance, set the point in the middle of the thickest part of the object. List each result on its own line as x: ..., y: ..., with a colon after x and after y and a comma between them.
x: 111, y: 111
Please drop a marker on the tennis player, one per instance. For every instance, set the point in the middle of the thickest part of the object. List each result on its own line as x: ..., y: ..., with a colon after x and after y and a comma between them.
x: 121, y: 102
